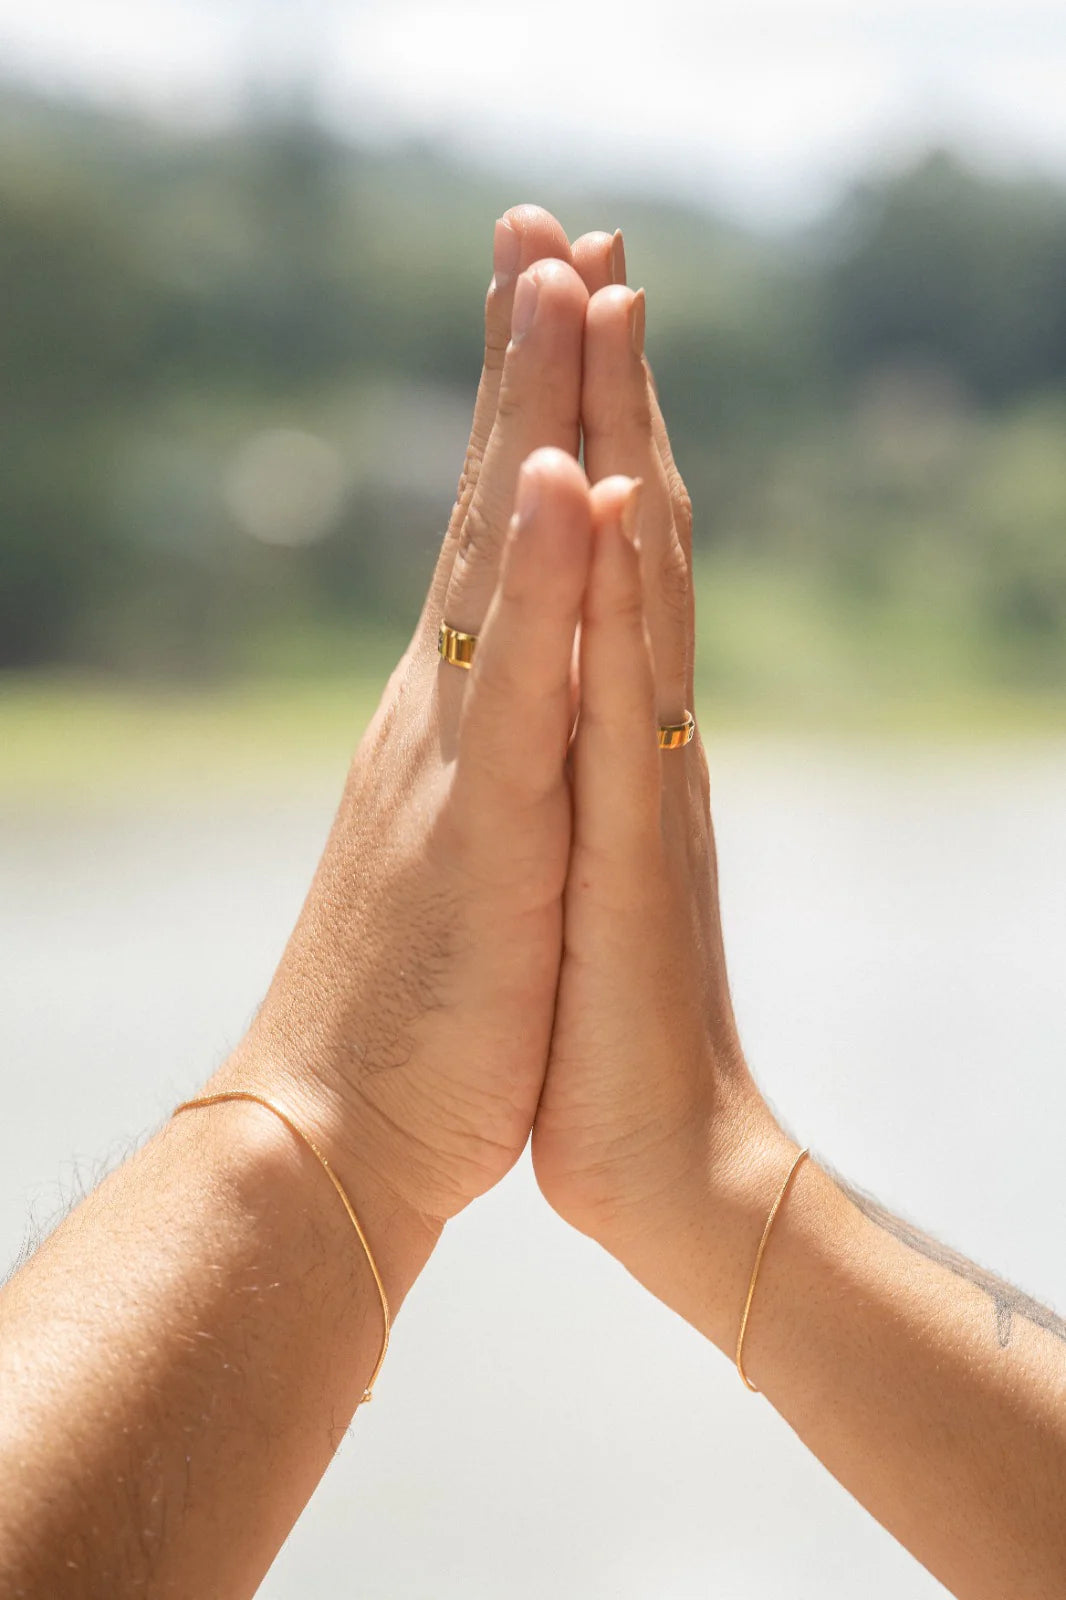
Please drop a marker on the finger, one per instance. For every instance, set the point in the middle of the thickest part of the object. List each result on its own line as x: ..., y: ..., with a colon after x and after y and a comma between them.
x: 679, y: 496
x: 516, y: 717
x: 539, y: 403
x: 615, y: 759
x: 619, y: 436
x: 600, y: 259
x: 523, y: 235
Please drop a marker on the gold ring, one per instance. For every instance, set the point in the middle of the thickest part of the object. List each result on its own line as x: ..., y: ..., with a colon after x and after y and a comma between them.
x: 456, y: 648
x: 672, y: 735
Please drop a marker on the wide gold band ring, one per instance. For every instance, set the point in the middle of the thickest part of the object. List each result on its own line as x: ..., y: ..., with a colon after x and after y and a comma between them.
x: 456, y: 648
x: 672, y: 735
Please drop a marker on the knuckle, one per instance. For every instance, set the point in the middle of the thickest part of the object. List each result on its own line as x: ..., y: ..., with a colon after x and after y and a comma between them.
x: 495, y: 691
x: 506, y: 776
x: 637, y: 410
x: 474, y: 461
x: 673, y: 579
x: 467, y: 479
x: 479, y: 540
x: 511, y: 405
x: 475, y: 453
x: 497, y: 328
x: 681, y: 501
x: 496, y: 341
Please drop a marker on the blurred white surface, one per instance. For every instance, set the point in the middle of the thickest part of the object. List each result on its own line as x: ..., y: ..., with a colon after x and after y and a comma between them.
x: 897, y: 930
x: 766, y: 107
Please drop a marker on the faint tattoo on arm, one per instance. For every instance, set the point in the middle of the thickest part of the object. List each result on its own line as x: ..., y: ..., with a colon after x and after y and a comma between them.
x: 1007, y: 1302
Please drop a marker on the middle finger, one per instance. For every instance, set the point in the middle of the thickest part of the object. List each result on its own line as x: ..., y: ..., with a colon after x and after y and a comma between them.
x: 618, y: 414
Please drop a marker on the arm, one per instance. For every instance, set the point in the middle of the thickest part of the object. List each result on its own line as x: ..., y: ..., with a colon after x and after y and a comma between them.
x: 935, y: 1394
x: 932, y: 1390
x: 180, y: 1360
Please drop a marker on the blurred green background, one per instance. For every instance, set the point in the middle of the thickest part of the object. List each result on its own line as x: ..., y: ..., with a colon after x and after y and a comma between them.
x: 236, y: 372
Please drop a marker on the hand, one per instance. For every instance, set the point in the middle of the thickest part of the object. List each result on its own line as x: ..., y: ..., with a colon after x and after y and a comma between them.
x: 408, y: 1022
x: 648, y: 1116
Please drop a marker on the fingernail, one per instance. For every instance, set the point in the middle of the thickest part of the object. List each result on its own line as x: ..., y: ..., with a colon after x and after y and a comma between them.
x: 527, y: 497
x: 630, y: 512
x: 525, y: 307
x: 506, y: 251
x: 618, y: 258
x: 637, y: 321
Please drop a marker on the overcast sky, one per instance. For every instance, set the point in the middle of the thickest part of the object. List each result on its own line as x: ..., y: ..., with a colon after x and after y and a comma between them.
x: 765, y: 106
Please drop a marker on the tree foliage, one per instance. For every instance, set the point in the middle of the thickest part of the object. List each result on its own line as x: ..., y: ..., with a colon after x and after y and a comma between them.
x: 874, y: 403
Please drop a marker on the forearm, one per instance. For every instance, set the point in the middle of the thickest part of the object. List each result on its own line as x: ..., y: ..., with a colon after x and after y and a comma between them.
x: 181, y: 1358
x: 933, y: 1392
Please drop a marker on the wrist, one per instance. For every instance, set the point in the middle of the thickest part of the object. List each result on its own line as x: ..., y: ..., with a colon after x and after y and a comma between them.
x: 400, y: 1239
x: 700, y: 1259
x: 698, y: 1248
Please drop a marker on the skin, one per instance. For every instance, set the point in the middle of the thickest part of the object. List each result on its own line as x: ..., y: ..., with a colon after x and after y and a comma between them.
x: 514, y: 927
x: 162, y: 1425
x: 409, y: 1019
x: 932, y: 1390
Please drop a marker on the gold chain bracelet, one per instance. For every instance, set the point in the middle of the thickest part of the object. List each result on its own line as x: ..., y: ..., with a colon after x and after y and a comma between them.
x: 774, y: 1209
x: 283, y: 1116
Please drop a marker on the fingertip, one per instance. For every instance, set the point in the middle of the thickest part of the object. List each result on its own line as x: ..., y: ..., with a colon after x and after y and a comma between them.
x: 549, y: 299
x: 618, y: 257
x: 617, y: 498
x: 615, y: 505
x: 593, y: 260
x: 629, y: 516
x: 552, y: 525
x: 522, y: 236
x: 615, y: 400
x: 506, y: 254
x: 615, y: 583
x: 610, y: 307
x: 638, y: 316
x: 552, y: 469
x: 596, y: 241
x: 551, y: 479
x: 559, y: 279
x: 541, y: 233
